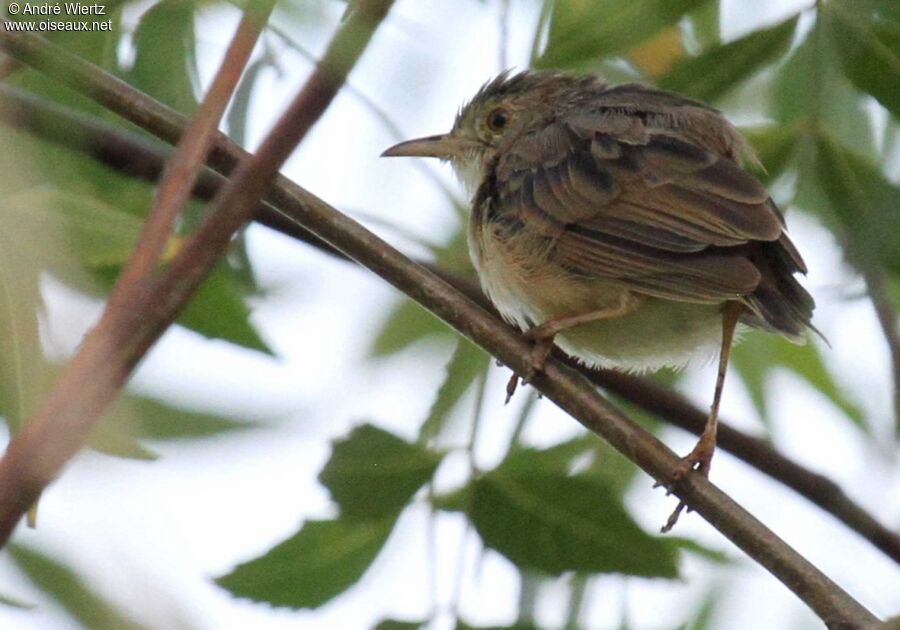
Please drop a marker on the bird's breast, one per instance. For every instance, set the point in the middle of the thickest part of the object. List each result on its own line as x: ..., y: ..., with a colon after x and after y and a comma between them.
x: 517, y: 271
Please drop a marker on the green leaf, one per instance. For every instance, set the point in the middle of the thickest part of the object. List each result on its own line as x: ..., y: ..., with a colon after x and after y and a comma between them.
x: 692, y: 546
x: 373, y: 474
x: 407, y: 323
x: 218, y: 310
x: 583, y: 31
x: 100, y: 237
x: 113, y: 441
x: 12, y: 602
x: 547, y: 521
x: 467, y: 362
x: 721, y: 68
x: 165, y: 62
x: 94, y: 232
x: 705, y: 22
x: 809, y: 90
x: 760, y: 353
x: 132, y: 418
x: 775, y: 146
x: 870, y: 52
x: 25, y: 373
x: 156, y: 420
x: 314, y: 565
x: 861, y: 202
x: 69, y: 591
x: 704, y: 616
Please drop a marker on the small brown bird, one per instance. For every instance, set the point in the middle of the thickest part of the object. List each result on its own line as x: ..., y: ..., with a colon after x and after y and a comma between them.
x: 618, y: 222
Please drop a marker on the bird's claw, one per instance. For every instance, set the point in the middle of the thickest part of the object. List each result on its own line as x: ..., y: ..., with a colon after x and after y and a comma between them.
x: 699, y: 461
x: 539, y: 353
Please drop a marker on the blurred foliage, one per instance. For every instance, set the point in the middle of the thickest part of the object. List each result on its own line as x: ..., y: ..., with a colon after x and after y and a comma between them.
x: 828, y: 83
x: 70, y: 591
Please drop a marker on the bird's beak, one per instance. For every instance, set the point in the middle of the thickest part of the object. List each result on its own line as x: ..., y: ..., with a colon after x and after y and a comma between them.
x: 443, y: 146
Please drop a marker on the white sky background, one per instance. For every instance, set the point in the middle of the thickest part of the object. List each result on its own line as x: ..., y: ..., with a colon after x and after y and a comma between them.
x: 149, y: 536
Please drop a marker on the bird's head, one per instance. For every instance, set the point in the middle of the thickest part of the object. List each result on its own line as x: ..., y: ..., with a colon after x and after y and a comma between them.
x: 503, y: 110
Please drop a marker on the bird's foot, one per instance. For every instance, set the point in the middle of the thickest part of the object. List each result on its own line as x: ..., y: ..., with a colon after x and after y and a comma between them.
x: 699, y: 460
x: 543, y: 345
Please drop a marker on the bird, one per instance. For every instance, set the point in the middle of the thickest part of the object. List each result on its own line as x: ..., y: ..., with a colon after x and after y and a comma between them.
x: 621, y: 223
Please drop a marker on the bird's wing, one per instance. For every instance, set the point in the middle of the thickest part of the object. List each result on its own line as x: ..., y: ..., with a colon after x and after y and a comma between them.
x: 640, y: 204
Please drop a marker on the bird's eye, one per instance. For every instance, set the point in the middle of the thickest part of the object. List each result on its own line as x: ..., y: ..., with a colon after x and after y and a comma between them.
x: 497, y: 119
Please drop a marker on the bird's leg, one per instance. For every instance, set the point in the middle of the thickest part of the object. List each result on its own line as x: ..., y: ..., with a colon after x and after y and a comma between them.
x: 544, y: 334
x: 700, y: 457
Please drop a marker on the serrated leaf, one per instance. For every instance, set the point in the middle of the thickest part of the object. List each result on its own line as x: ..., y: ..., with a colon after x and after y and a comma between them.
x: 69, y: 591
x: 760, y: 353
x: 466, y: 363
x: 164, y: 61
x: 546, y: 521
x: 407, y: 323
x: 372, y: 474
x: 869, y: 50
x: 314, y: 565
x: 583, y: 31
x: 723, y: 67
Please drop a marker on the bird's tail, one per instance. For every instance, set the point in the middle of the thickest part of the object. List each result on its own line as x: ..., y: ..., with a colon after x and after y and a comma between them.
x: 780, y: 304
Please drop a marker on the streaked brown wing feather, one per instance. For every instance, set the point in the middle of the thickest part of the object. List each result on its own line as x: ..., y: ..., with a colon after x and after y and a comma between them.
x: 640, y: 206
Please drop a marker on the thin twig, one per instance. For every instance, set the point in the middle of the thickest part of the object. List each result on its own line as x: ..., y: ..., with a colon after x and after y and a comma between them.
x: 187, y: 161
x: 134, y: 155
x: 111, y: 350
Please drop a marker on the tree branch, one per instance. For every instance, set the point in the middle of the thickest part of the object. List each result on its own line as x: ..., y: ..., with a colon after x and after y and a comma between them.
x: 111, y: 350
x: 574, y: 394
x: 134, y: 155
x: 189, y: 158
x: 570, y: 390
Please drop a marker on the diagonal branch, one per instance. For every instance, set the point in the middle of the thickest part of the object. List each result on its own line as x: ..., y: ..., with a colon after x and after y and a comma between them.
x: 568, y: 389
x: 574, y: 394
x: 134, y: 155
x: 189, y: 158
x: 112, y: 349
